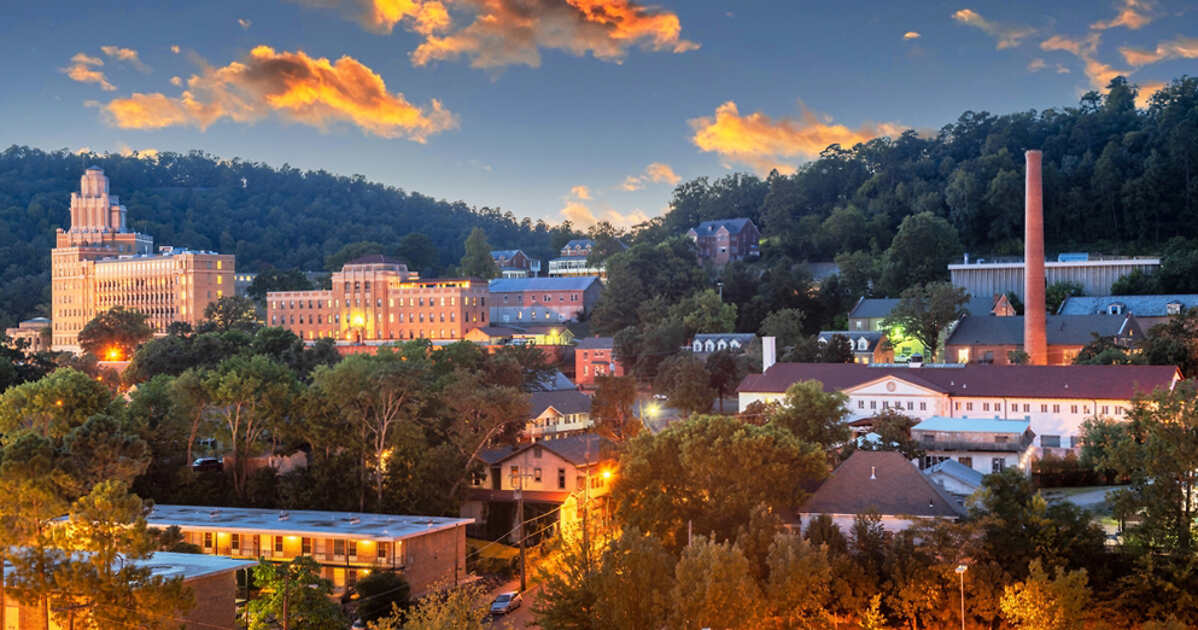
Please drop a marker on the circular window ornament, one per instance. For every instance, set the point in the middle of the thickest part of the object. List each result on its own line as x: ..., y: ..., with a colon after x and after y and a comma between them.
x: 890, y: 386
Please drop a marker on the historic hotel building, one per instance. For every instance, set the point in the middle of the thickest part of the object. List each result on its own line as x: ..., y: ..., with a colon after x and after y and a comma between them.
x: 375, y: 298
x: 100, y: 263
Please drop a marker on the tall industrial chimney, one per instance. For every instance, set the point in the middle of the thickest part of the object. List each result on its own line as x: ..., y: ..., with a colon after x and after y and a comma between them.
x: 1035, y: 339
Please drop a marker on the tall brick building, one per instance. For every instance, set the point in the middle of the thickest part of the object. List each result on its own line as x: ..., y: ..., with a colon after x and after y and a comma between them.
x: 375, y: 298
x: 99, y: 263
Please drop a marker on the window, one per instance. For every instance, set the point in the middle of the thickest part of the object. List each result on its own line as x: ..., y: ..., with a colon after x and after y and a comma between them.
x: 1056, y: 409
x: 1173, y: 308
x: 306, y: 546
x: 873, y: 404
x: 997, y: 464
x: 985, y: 406
x: 965, y: 461
x: 278, y: 544
x: 353, y: 549
x: 561, y: 478
x: 235, y: 542
x: 1106, y: 410
x: 1118, y: 411
x: 536, y: 474
x: 861, y: 404
x: 338, y: 547
x: 1043, y: 408
x: 1053, y: 441
x: 207, y: 540
x: 923, y: 406
x: 537, y: 451
x: 1073, y: 409
x: 1026, y: 408
x: 968, y: 406
x: 384, y: 550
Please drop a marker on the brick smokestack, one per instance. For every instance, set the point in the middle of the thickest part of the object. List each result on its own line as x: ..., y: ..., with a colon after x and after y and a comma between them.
x: 1035, y: 339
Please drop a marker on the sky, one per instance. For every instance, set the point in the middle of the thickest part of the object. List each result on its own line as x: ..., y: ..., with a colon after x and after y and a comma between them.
x: 584, y: 110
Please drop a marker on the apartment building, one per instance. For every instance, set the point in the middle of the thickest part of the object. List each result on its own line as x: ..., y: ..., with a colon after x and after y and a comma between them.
x: 1055, y: 400
x: 547, y: 299
x: 426, y: 550
x: 986, y: 445
x: 725, y: 240
x: 99, y: 263
x: 375, y: 298
x: 211, y: 579
x: 595, y: 356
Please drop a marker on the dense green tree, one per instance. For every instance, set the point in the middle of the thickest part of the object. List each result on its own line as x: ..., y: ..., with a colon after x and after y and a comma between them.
x: 1174, y: 342
x: 1158, y: 454
x: 813, y: 415
x: 53, y: 405
x: 1041, y: 602
x: 459, y: 608
x: 420, y: 253
x: 637, y: 564
x: 920, y: 252
x: 725, y: 371
x: 685, y: 382
x: 689, y: 473
x: 379, y: 593
x: 1104, y: 351
x: 641, y: 273
x: 351, y: 251
x: 114, y: 334
x: 1056, y: 294
x: 611, y: 406
x: 786, y: 326
x: 477, y: 261
x: 271, y: 279
x: 704, y: 312
x: 714, y: 588
x: 294, y: 596
x: 230, y: 313
x: 925, y: 311
x: 799, y: 588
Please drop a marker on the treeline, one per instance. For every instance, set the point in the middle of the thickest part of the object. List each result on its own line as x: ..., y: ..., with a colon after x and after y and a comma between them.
x: 281, y: 218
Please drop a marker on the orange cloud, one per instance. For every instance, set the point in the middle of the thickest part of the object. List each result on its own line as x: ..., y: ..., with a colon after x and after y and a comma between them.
x: 655, y: 172
x: 175, y: 49
x: 1146, y: 91
x: 381, y: 16
x: 177, y: 81
x: 581, y: 192
x: 127, y: 55
x: 1086, y: 49
x: 313, y: 91
x: 1179, y: 48
x: 765, y: 144
x: 509, y: 32
x: 1038, y: 64
x: 1133, y: 14
x: 244, y: 23
x: 1008, y: 35
x: 911, y: 35
x: 83, y: 69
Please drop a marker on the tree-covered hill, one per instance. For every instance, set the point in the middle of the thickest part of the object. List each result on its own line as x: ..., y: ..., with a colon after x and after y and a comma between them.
x: 282, y: 218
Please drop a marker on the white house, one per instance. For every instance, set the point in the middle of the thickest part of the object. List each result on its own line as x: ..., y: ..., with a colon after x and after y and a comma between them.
x: 1055, y: 400
x: 705, y: 343
x: 984, y: 444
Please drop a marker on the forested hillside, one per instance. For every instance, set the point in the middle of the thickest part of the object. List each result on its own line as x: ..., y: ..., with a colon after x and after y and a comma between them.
x: 282, y: 217
x: 1116, y: 179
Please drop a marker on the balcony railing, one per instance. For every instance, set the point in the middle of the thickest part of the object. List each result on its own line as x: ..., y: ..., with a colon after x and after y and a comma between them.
x: 1017, y: 446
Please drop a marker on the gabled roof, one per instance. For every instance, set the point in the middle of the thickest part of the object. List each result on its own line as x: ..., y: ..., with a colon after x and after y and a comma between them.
x: 956, y: 470
x: 555, y: 382
x: 1063, y: 330
x: 872, y: 337
x: 518, y: 285
x: 581, y: 450
x: 1107, y: 382
x: 580, y: 243
x: 744, y: 338
x: 972, y: 425
x: 505, y: 253
x: 877, y: 308
x: 884, y: 481
x: 1139, y: 305
x: 595, y: 343
x: 734, y: 226
x: 566, y: 402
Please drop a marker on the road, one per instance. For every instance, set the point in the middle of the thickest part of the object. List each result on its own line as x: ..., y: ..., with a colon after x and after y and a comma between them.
x: 522, y: 617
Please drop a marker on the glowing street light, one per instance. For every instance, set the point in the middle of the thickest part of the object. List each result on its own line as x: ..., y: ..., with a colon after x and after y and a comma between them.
x: 961, y: 569
x: 113, y: 354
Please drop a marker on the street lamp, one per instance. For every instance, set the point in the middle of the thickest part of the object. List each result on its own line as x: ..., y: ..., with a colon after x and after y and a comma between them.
x: 961, y: 569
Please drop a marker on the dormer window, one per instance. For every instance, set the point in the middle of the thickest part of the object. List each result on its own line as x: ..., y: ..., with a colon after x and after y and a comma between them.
x: 1115, y: 309
x: 1173, y: 308
x: 862, y: 344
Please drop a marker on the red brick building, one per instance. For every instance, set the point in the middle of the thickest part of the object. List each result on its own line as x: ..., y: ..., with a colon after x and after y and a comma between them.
x: 595, y: 356
x: 726, y: 240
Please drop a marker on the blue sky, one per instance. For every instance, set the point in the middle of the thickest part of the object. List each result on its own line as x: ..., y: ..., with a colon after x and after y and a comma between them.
x: 565, y: 126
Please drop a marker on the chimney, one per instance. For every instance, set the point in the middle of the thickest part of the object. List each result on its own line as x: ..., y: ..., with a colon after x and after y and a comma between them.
x: 1035, y: 339
x: 769, y: 353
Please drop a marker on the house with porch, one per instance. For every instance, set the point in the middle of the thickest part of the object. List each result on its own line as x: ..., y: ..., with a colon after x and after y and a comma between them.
x: 554, y: 415
x: 987, y: 445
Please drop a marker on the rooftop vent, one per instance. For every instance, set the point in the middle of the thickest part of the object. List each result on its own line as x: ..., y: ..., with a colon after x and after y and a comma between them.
x: 353, y: 520
x: 283, y: 515
x: 212, y: 514
x: 873, y: 472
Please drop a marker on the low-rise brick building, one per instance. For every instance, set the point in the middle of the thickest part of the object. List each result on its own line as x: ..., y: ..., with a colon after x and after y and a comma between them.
x: 595, y: 356
x: 513, y: 300
x: 726, y: 240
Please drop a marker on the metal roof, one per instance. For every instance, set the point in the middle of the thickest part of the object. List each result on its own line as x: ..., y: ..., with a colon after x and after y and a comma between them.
x: 1139, y: 305
x: 581, y: 450
x: 972, y: 425
x: 877, y: 308
x: 1063, y: 330
x: 956, y: 470
x: 356, y: 525
x: 595, y: 343
x: 518, y: 285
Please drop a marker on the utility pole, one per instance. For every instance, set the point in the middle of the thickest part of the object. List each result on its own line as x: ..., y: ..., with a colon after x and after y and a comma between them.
x: 520, y: 521
x: 961, y: 569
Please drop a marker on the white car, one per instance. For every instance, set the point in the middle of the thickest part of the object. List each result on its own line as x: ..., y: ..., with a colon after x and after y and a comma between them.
x: 506, y: 603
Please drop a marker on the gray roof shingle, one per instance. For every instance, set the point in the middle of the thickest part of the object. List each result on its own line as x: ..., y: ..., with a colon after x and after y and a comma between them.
x: 876, y: 308
x: 1139, y: 305
x: 734, y: 226
x: 1063, y: 330
x: 565, y: 401
x: 518, y: 285
x: 884, y: 481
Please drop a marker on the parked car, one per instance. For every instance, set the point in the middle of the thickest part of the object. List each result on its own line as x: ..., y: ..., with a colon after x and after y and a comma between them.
x: 506, y: 603
x: 206, y: 464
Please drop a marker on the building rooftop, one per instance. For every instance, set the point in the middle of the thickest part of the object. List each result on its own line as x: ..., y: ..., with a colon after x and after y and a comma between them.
x: 877, y: 308
x: 518, y: 285
x: 355, y: 525
x: 595, y: 343
x: 1062, y: 330
x: 581, y: 450
x: 565, y: 401
x: 734, y: 226
x: 884, y: 481
x: 375, y: 259
x: 972, y: 425
x: 1139, y: 305
x: 504, y: 253
x: 1092, y: 260
x: 741, y: 337
x: 956, y: 470
x: 580, y: 243
x: 872, y: 337
x: 1107, y: 382
x: 167, y: 564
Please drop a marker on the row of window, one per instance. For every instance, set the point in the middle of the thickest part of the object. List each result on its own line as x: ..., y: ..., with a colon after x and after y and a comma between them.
x: 413, y: 318
x: 997, y: 464
x: 1044, y: 407
x: 339, y: 546
x: 519, y: 299
x: 378, y: 302
x: 898, y: 404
